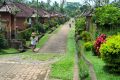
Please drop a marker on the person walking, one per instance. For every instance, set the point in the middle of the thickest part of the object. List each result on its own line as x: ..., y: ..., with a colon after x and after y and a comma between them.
x: 33, y: 41
x: 70, y: 25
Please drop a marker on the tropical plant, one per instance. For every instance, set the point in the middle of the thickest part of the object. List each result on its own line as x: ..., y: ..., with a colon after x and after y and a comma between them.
x: 80, y: 24
x: 110, y: 53
x: 86, y: 36
x: 107, y: 16
x: 26, y: 34
x: 88, y: 46
x: 3, y: 42
x: 100, y: 40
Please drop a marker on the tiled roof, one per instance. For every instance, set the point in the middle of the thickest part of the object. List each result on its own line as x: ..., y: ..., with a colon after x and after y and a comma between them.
x: 57, y: 14
x: 25, y: 11
x: 22, y: 10
x: 42, y: 12
x: 88, y: 13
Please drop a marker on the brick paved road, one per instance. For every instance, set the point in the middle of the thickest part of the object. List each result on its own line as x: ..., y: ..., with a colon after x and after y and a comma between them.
x: 16, y: 71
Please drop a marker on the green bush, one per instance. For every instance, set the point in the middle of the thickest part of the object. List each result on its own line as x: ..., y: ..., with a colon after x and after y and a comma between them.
x: 88, y: 46
x: 26, y: 34
x: 46, y: 26
x: 86, y: 36
x: 52, y: 23
x: 3, y: 42
x: 61, y: 20
x: 107, y: 15
x: 39, y: 28
x: 80, y: 24
x: 110, y: 53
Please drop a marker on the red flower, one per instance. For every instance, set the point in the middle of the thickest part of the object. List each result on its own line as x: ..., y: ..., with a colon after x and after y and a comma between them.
x: 100, y: 40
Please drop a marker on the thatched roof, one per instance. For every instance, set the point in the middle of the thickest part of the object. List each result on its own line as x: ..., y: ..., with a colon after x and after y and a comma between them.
x: 9, y: 7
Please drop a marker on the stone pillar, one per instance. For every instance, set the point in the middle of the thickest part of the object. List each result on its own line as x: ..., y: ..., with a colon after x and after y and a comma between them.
x: 88, y: 22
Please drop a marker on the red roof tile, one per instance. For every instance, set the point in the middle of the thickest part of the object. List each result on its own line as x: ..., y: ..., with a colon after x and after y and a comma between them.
x: 25, y: 10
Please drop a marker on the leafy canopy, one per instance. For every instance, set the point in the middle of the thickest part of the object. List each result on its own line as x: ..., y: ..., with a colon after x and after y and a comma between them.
x: 107, y: 15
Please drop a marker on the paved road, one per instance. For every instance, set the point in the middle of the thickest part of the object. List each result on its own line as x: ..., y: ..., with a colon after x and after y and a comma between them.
x: 57, y: 42
x: 16, y: 71
x: 20, y: 70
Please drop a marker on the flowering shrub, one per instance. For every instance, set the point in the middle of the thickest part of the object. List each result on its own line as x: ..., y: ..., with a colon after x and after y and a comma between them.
x: 110, y: 53
x: 100, y: 40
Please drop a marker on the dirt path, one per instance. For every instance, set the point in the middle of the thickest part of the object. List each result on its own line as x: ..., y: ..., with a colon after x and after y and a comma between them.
x: 57, y: 42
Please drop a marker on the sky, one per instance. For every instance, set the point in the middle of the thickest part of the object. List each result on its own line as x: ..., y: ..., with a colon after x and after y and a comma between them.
x: 81, y: 1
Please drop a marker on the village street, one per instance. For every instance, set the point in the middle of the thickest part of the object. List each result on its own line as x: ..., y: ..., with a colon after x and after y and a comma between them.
x: 16, y: 69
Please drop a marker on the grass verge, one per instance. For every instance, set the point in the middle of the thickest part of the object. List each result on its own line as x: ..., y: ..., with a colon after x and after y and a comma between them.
x: 83, y: 67
x: 98, y: 65
x: 42, y: 41
x: 83, y: 70
x: 8, y: 52
x: 63, y: 69
x: 99, y: 68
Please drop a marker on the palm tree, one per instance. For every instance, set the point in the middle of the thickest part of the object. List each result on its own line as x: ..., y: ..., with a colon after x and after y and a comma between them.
x: 62, y: 6
x: 55, y: 6
x: 48, y: 6
x: 98, y: 3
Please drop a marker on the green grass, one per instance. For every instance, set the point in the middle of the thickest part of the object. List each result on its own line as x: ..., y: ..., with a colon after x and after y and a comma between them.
x: 83, y: 67
x: 8, y: 52
x: 27, y: 43
x: 98, y: 64
x: 58, y: 28
x: 63, y: 69
x: 83, y: 70
x: 42, y: 41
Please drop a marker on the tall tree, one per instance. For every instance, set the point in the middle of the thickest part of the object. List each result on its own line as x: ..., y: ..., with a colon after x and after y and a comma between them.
x: 42, y: 5
x: 72, y: 8
x: 62, y: 6
x: 98, y: 3
x: 48, y: 6
x: 55, y: 6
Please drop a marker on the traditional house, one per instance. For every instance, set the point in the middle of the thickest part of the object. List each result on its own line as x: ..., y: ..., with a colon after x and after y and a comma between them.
x: 17, y: 16
x: 56, y: 15
x: 24, y: 17
x: 53, y: 15
x: 43, y: 15
x: 7, y: 12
